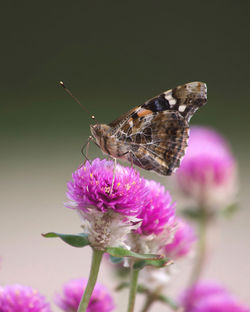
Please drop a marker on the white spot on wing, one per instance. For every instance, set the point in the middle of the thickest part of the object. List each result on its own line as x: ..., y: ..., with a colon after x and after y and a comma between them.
x: 131, y: 123
x: 182, y: 108
x: 172, y: 102
x: 170, y: 98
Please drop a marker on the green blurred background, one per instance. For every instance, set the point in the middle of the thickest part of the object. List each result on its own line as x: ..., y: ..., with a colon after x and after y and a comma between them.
x: 113, y: 55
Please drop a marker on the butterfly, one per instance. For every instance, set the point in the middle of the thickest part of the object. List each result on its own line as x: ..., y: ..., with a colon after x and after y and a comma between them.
x: 153, y: 136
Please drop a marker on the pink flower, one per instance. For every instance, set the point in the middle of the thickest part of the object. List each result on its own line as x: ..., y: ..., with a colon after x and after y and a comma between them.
x: 184, y: 238
x: 157, y: 221
x: 200, y: 291
x: 18, y: 298
x: 158, y: 210
x: 210, y: 297
x: 107, y: 217
x: 69, y: 300
x: 208, y: 171
x: 91, y: 183
x: 222, y: 303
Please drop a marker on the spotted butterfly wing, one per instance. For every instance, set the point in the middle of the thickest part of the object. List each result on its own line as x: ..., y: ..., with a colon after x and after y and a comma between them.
x: 184, y: 99
x: 154, y: 136
x: 160, y: 143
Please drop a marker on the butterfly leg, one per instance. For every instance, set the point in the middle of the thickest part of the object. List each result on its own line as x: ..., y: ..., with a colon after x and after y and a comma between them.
x: 113, y: 179
x: 131, y: 160
x: 86, y: 145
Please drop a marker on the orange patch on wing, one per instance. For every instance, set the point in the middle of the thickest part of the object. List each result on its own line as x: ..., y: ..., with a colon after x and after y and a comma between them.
x: 144, y: 112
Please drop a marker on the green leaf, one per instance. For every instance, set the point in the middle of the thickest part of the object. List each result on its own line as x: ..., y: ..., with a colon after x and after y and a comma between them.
x: 121, y: 252
x: 198, y: 214
x: 115, y: 259
x: 121, y: 286
x: 168, y: 301
x: 158, y: 263
x: 75, y: 240
x: 192, y: 213
x: 122, y: 272
x: 140, y: 288
x: 230, y: 210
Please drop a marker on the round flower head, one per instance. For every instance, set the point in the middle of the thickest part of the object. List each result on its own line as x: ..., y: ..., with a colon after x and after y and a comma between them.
x: 69, y: 300
x: 183, y: 240
x: 158, y: 210
x: 208, y: 171
x: 108, y: 216
x: 220, y: 303
x: 157, y: 224
x: 91, y: 186
x: 210, y: 297
x: 191, y: 296
x: 18, y: 298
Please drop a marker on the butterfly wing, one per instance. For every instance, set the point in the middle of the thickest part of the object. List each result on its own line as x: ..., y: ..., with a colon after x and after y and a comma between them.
x: 159, y: 142
x: 156, y: 133
x: 185, y: 99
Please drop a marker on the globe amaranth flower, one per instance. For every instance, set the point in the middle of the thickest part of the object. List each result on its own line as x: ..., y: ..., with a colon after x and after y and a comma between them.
x: 208, y: 171
x: 183, y: 240
x: 69, y: 299
x: 157, y: 215
x: 200, y: 291
x: 91, y: 186
x: 18, y: 298
x: 157, y: 211
x: 221, y: 303
x: 108, y: 215
x: 210, y: 297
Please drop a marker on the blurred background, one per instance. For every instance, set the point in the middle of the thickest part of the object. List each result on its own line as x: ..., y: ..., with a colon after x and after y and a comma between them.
x: 113, y: 56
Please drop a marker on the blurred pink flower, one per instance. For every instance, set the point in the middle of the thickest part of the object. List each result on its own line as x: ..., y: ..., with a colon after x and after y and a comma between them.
x: 69, y: 300
x: 208, y: 171
x: 220, y: 303
x: 183, y: 240
x: 18, y: 298
x: 210, y: 297
x: 200, y: 291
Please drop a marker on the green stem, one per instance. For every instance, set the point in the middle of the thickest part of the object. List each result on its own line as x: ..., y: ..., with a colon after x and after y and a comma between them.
x: 133, y: 288
x: 148, y: 303
x: 95, y: 265
x: 201, y: 249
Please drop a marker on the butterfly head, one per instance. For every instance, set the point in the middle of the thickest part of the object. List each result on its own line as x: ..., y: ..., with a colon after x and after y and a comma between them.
x: 100, y: 132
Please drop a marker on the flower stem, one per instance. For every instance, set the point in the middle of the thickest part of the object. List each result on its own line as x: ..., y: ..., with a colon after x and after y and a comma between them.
x: 150, y: 300
x: 133, y: 288
x: 95, y: 265
x: 201, y: 249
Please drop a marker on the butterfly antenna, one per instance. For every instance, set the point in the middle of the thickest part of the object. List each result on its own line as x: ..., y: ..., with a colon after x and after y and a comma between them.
x: 77, y: 101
